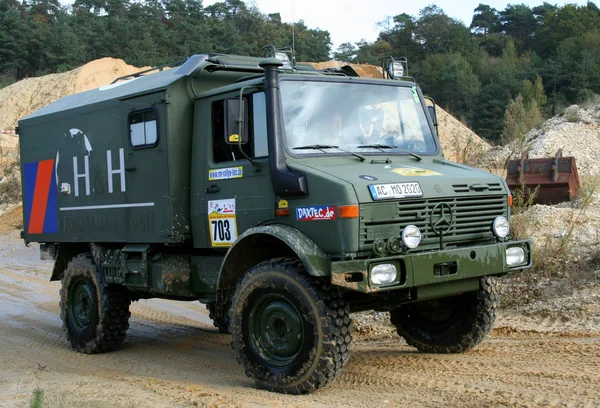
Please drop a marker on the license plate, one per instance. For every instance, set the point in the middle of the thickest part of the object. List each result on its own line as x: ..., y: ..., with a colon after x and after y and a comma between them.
x: 395, y: 190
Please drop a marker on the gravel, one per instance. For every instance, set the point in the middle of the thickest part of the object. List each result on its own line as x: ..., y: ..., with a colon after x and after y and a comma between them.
x: 576, y: 132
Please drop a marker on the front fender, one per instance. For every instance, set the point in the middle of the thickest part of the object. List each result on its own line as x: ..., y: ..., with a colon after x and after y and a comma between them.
x: 271, y: 241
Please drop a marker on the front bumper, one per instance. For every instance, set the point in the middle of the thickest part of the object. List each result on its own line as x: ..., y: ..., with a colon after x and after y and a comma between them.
x: 435, y: 272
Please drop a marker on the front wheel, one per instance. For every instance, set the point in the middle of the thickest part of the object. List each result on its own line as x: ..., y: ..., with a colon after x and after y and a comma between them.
x: 222, y: 324
x: 95, y: 315
x: 290, y: 332
x: 448, y: 325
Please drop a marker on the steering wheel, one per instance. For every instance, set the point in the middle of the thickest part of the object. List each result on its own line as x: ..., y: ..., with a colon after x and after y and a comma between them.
x: 390, y: 136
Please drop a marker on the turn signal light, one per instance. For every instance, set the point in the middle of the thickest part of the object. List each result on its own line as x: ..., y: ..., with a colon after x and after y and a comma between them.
x: 282, y: 212
x: 348, y: 211
x: 510, y: 200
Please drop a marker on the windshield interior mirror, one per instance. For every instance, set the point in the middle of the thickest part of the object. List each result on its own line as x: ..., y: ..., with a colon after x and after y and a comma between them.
x: 232, y: 121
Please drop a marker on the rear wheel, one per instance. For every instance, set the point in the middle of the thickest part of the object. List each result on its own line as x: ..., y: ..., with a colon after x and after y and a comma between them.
x: 448, y: 325
x: 95, y: 315
x: 290, y: 332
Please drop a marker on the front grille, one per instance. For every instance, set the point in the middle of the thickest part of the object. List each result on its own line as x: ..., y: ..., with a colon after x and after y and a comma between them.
x: 473, y: 217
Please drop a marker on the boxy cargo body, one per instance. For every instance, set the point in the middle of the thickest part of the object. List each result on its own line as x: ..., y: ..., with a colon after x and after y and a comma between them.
x: 282, y: 198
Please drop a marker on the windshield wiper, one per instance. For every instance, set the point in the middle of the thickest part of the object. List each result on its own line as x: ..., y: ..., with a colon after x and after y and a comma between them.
x: 384, y: 146
x: 315, y: 147
x: 322, y: 147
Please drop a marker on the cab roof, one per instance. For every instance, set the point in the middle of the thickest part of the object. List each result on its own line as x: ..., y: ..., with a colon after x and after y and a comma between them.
x: 159, y: 78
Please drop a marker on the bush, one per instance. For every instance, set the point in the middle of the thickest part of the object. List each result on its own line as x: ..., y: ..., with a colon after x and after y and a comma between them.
x: 572, y: 114
x: 562, y: 262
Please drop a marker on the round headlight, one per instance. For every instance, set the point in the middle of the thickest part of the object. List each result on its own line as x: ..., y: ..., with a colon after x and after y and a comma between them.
x: 500, y: 227
x: 411, y: 236
x: 395, y: 70
x: 283, y: 57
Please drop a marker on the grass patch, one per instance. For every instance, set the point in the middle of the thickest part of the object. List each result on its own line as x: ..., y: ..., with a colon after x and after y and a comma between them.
x: 37, y: 398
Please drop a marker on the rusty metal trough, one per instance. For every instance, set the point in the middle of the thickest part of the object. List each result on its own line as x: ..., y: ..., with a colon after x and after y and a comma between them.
x: 556, y: 177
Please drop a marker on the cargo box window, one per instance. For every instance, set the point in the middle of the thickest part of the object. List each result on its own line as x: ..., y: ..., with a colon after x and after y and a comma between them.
x: 143, y: 128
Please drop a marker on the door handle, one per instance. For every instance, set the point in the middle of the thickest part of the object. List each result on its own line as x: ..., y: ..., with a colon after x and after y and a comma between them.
x: 212, y: 189
x: 129, y: 168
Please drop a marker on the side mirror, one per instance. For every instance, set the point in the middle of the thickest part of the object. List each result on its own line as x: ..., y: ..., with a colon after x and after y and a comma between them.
x: 236, y: 115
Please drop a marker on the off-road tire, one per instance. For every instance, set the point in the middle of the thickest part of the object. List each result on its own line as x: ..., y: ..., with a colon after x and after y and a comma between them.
x: 221, y: 324
x: 321, y: 315
x: 471, y: 317
x: 101, y: 327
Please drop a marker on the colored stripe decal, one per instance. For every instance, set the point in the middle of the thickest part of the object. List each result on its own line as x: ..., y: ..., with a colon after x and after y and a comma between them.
x: 30, y: 173
x: 51, y: 222
x: 40, y: 196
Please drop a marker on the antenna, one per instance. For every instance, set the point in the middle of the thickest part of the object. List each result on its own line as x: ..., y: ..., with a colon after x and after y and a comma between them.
x: 293, y: 39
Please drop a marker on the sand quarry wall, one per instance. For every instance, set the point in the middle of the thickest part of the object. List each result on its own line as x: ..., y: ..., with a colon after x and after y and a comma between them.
x: 27, y: 96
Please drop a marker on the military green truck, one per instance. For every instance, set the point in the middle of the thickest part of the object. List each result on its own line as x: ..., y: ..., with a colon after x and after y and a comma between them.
x: 282, y: 197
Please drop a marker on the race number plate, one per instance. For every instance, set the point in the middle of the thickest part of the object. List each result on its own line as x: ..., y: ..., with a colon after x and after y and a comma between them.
x: 395, y: 190
x: 222, y: 222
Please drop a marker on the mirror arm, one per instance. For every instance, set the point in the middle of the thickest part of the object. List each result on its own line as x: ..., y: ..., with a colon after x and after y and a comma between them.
x: 240, y: 121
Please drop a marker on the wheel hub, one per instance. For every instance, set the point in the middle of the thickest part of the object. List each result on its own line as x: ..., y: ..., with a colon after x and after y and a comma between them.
x: 276, y: 329
x: 81, y: 305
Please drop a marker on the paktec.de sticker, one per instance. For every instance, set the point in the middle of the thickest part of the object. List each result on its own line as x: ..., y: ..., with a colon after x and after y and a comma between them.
x: 324, y: 212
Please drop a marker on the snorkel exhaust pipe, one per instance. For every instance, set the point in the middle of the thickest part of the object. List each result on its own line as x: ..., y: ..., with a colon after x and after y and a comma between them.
x: 286, y: 182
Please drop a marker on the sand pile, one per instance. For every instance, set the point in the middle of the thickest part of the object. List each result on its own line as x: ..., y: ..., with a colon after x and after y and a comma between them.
x: 8, y: 146
x: 28, y: 95
x: 576, y: 132
x: 364, y: 70
x: 460, y: 144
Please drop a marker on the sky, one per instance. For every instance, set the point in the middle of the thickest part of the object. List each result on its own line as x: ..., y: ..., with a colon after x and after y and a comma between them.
x: 351, y: 21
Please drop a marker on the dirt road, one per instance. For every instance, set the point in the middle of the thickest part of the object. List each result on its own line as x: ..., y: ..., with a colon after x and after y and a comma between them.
x: 173, y: 357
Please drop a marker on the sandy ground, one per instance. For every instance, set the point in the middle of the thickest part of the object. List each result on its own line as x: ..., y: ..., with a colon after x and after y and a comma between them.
x: 174, y: 358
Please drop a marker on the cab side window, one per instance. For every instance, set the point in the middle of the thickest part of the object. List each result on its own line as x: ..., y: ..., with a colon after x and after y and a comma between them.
x: 143, y: 129
x: 256, y: 117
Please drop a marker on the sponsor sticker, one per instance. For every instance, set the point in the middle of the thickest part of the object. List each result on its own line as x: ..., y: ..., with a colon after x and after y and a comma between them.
x: 324, y: 212
x: 415, y: 172
x: 222, y: 223
x: 226, y: 173
x: 415, y: 94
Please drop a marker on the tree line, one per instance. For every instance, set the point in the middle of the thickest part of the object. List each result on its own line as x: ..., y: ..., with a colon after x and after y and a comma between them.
x: 41, y: 36
x: 501, y: 75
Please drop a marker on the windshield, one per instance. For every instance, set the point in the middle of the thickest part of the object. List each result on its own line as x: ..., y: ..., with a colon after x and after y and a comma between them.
x: 324, y: 117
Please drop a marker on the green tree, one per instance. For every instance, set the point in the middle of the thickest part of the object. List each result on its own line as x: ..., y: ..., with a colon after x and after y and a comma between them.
x: 345, y: 52
x: 400, y: 36
x: 436, y: 32
x: 450, y: 80
x: 311, y: 44
x: 519, y: 22
x: 485, y: 20
x: 559, y: 24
